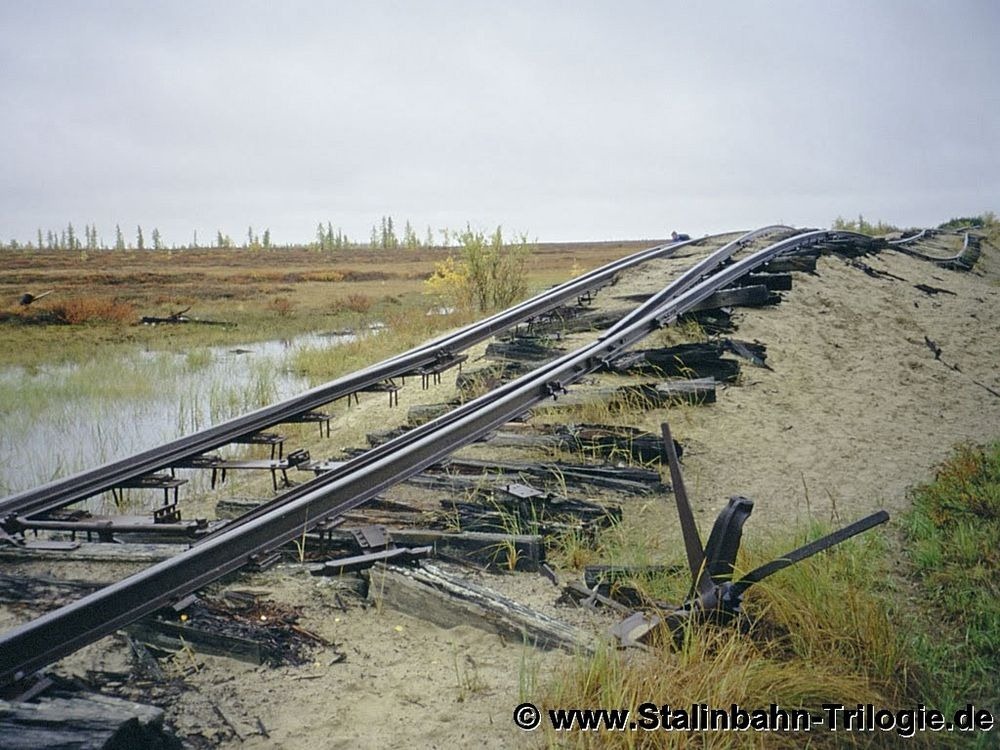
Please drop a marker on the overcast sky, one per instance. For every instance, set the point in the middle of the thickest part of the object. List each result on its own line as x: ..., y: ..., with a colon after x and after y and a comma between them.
x: 564, y: 120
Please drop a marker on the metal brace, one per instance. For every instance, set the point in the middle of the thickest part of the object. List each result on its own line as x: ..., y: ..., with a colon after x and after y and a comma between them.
x: 372, y: 538
x: 713, y: 592
x: 554, y: 388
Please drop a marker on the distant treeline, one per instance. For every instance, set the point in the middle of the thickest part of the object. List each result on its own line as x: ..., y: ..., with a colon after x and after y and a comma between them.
x: 383, y: 236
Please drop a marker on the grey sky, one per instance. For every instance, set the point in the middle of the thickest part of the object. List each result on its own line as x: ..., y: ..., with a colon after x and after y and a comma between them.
x: 566, y: 120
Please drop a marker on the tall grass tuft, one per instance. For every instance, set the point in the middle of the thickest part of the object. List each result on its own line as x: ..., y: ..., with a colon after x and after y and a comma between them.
x: 821, y: 632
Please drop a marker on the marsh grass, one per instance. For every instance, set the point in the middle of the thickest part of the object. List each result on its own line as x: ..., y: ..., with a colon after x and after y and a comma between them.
x: 822, y: 631
x: 60, y: 419
x: 404, y: 330
x: 953, y: 546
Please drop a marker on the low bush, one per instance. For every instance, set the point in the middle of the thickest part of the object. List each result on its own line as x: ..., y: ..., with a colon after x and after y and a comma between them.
x: 82, y: 310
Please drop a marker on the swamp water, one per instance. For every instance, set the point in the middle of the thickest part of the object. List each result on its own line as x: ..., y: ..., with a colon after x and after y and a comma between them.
x: 58, y: 420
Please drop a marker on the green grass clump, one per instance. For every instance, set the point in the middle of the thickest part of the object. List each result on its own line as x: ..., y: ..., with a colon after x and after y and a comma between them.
x: 953, y: 534
x: 822, y: 631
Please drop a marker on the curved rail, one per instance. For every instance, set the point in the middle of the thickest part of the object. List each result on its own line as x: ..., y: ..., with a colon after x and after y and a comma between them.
x: 60, y: 632
x: 82, y: 485
x: 965, y: 258
x: 913, y: 237
x: 680, y: 284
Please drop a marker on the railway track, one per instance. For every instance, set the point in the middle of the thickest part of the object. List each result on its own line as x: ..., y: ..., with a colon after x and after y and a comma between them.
x: 438, y: 353
x: 926, y: 245
x: 52, y: 636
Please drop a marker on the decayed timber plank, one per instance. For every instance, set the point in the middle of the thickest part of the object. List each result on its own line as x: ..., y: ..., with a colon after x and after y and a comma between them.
x: 746, y: 296
x: 805, y: 263
x: 648, y: 395
x: 173, y: 636
x: 431, y: 593
x: 96, y: 552
x: 507, y: 551
x: 86, y: 721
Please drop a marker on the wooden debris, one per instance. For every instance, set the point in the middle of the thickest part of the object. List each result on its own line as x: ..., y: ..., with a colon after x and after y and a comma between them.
x: 578, y: 321
x: 805, y: 263
x: 775, y: 282
x: 932, y: 290
x: 711, y: 322
x: 522, y: 349
x: 246, y: 629
x: 606, y: 441
x: 94, y: 552
x: 477, y: 382
x: 617, y: 581
x: 697, y: 360
x: 540, y: 513
x: 180, y: 316
x: 433, y: 594
x: 83, y: 721
x: 555, y: 474
x: 486, y: 550
x: 645, y: 395
x: 395, y: 555
x: 744, y: 296
x: 577, y: 593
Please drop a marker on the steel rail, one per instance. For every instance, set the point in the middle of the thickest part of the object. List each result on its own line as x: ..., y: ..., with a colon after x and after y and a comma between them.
x: 58, y: 633
x: 958, y: 257
x: 680, y: 284
x: 690, y: 277
x: 912, y: 237
x: 88, y: 483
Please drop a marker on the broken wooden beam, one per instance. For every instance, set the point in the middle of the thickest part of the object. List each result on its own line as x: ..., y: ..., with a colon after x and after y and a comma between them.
x: 92, y: 552
x: 805, y: 263
x: 494, y: 551
x: 522, y: 349
x: 697, y: 360
x: 395, y: 555
x: 711, y: 322
x: 581, y: 322
x: 542, y: 513
x: 431, y: 593
x: 172, y: 636
x: 757, y: 295
x: 472, y: 383
x: 775, y: 282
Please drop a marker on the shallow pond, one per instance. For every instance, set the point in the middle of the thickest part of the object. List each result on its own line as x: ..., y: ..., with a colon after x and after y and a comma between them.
x: 58, y: 420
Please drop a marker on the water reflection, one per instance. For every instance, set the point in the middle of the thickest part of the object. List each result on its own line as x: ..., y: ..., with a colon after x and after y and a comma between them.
x: 60, y: 419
